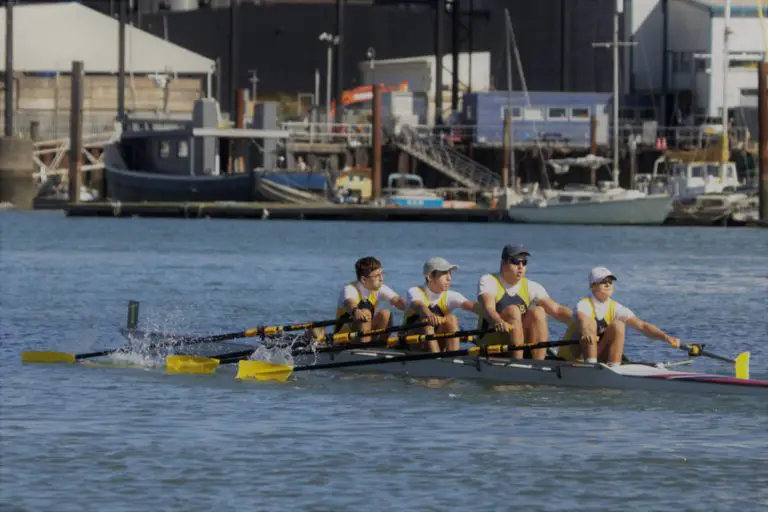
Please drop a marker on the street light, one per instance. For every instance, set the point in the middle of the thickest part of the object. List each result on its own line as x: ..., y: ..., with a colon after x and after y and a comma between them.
x: 330, y: 40
x: 371, y: 54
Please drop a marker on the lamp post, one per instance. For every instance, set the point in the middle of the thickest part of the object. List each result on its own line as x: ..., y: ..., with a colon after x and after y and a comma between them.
x: 330, y: 40
x: 254, y: 82
x: 371, y: 54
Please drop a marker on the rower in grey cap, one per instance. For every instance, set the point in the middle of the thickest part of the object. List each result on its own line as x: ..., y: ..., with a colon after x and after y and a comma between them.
x: 434, y: 301
x: 515, y: 307
x: 600, y: 324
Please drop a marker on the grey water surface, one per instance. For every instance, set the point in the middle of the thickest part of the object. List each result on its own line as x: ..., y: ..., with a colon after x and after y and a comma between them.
x: 75, y: 437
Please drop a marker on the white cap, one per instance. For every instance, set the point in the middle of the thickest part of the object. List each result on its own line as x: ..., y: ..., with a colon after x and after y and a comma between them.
x: 438, y: 265
x: 598, y: 274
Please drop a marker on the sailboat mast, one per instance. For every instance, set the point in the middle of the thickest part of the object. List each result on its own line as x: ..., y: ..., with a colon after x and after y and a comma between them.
x: 725, y: 154
x: 619, y: 9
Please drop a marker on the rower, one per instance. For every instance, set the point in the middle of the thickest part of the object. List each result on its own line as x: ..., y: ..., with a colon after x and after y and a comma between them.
x: 516, y: 307
x: 434, y: 301
x: 600, y: 324
x: 360, y: 300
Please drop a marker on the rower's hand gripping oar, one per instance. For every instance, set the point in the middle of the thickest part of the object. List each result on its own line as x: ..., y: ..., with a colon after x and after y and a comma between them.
x: 741, y: 362
x: 204, y: 365
x: 261, y: 370
x: 263, y: 330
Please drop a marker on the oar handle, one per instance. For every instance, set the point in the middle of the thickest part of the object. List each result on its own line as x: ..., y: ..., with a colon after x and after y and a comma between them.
x: 698, y: 350
x: 272, y: 330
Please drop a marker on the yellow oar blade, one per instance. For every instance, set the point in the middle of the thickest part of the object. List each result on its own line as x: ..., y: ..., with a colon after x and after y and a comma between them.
x: 191, y: 364
x: 262, y: 370
x: 742, y: 366
x: 47, y: 357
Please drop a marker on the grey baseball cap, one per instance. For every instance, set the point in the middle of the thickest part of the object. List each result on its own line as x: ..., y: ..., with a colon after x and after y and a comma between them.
x: 438, y: 265
x: 512, y: 250
x: 599, y: 274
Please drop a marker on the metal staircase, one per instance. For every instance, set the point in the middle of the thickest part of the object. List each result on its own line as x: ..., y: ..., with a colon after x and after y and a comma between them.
x: 433, y: 151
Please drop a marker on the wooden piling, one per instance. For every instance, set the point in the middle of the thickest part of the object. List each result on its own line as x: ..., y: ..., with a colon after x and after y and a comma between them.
x: 762, y: 99
x: 76, y: 132
x: 376, y: 168
x: 506, y: 158
x: 237, y: 153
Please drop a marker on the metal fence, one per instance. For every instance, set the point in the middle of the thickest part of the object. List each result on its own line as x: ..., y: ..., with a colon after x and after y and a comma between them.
x: 50, y: 124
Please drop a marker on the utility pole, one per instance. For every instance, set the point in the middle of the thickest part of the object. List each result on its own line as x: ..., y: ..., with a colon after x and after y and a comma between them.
x: 615, y: 44
x: 9, y: 68
x: 331, y: 41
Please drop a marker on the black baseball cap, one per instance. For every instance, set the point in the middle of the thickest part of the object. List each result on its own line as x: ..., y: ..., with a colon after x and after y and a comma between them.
x: 512, y: 250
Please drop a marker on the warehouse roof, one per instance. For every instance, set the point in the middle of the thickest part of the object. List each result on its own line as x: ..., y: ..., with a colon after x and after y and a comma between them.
x: 48, y: 37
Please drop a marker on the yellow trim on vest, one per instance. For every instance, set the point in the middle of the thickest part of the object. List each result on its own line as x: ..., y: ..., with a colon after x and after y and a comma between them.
x: 573, y: 332
x: 442, y: 303
x: 500, y: 337
x: 342, y: 310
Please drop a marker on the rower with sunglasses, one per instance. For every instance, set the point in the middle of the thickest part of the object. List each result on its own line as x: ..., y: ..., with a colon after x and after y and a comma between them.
x: 600, y: 324
x: 515, y: 307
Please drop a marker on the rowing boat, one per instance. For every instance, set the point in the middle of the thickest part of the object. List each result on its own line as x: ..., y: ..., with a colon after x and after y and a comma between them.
x: 648, y: 377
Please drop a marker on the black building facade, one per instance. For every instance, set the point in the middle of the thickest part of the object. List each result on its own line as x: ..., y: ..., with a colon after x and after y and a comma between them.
x: 554, y: 38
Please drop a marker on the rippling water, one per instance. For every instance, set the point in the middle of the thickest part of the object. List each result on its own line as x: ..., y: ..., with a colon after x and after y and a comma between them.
x: 100, y: 438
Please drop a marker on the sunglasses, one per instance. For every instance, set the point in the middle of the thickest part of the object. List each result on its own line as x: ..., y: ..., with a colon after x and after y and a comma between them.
x: 606, y: 282
x: 517, y: 261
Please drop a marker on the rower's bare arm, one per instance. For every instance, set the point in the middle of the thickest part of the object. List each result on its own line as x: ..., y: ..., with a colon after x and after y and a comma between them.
x: 489, y: 309
x: 427, y: 314
x: 469, y: 305
x: 555, y: 310
x: 398, y: 302
x: 651, y: 331
x: 359, y: 315
x: 588, y: 328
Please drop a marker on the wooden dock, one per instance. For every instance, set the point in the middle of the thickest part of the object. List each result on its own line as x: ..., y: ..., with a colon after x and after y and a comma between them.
x: 264, y: 211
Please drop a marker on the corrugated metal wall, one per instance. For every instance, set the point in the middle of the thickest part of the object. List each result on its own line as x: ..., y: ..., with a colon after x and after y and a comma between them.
x: 554, y: 38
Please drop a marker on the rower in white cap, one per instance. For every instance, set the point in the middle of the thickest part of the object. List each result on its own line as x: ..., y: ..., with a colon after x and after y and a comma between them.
x: 600, y: 324
x: 434, y: 301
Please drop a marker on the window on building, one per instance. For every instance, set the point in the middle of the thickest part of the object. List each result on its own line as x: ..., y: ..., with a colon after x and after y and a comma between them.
x: 557, y: 114
x: 744, y: 64
x: 183, y: 151
x: 580, y: 113
x: 534, y: 113
x: 515, y: 113
x: 702, y: 64
x: 165, y: 149
x: 627, y: 113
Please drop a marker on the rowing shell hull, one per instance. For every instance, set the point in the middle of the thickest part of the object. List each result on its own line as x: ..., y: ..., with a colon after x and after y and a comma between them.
x: 550, y: 373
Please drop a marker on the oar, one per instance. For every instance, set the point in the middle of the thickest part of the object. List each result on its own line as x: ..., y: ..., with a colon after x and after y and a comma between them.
x: 261, y: 370
x: 741, y: 362
x: 203, y: 365
x: 264, y: 330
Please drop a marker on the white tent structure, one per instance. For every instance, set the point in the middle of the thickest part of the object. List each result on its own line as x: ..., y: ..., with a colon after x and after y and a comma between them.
x: 48, y: 37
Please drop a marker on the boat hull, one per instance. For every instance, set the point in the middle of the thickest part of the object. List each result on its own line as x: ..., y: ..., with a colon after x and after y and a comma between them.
x: 549, y: 373
x: 136, y: 186
x: 650, y: 210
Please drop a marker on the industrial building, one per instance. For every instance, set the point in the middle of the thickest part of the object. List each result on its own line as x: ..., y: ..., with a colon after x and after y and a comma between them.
x: 680, y: 50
